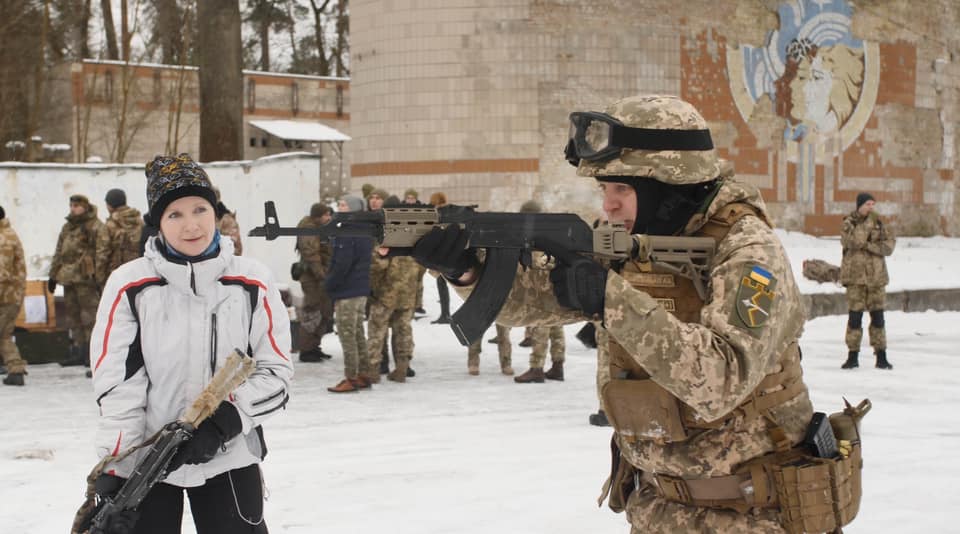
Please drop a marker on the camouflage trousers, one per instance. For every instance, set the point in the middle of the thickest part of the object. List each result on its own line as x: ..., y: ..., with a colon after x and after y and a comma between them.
x: 558, y: 345
x: 397, y: 319
x: 8, y: 349
x: 316, y: 315
x: 649, y: 514
x: 504, y: 349
x: 349, y: 315
x: 80, y: 302
x: 873, y: 300
x: 603, y: 360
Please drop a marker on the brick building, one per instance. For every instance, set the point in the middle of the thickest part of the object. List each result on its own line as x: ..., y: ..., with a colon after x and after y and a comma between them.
x: 812, y: 100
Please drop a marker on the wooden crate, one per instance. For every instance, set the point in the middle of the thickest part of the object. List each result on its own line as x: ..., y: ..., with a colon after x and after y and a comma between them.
x: 38, y: 301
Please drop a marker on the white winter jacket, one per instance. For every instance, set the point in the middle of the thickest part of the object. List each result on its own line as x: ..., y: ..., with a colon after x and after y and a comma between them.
x: 163, y: 328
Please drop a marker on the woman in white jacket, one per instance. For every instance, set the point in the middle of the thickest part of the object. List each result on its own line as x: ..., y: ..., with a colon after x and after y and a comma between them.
x: 166, y: 323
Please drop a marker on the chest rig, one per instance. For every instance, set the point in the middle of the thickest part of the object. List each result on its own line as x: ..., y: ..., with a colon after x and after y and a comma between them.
x: 638, y: 407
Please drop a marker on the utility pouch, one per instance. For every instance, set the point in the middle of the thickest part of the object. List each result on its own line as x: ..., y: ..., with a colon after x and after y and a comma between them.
x: 296, y: 270
x: 622, y: 481
x: 823, y: 494
x: 641, y: 409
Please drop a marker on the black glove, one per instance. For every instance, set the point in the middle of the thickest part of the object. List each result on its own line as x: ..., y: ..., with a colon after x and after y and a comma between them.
x: 122, y: 522
x: 51, y: 284
x: 209, y: 437
x: 445, y: 250
x: 578, y: 283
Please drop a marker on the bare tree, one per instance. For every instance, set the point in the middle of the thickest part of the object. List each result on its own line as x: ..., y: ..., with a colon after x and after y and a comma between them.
x: 342, y: 50
x: 168, y: 31
x: 106, y: 11
x: 221, y: 81
x: 319, y: 12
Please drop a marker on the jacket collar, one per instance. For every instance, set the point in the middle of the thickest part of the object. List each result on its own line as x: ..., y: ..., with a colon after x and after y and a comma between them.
x: 196, y: 278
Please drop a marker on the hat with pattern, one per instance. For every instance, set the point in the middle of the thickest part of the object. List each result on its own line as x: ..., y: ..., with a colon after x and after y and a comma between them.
x: 170, y: 178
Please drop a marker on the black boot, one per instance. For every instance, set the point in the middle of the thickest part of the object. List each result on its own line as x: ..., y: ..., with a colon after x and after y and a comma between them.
x: 599, y: 419
x: 312, y: 356
x: 410, y: 372
x: 74, y: 357
x: 526, y: 342
x: 882, y: 362
x: 443, y: 319
x: 384, y: 365
x: 852, y: 362
x: 14, y: 379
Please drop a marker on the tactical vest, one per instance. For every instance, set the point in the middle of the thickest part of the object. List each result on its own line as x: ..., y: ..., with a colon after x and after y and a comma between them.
x: 639, y: 408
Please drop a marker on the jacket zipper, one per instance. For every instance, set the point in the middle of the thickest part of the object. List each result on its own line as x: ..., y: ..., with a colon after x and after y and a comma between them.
x: 193, y: 280
x: 213, y: 344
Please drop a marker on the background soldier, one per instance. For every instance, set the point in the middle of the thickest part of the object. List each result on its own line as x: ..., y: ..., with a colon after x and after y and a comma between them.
x: 541, y: 337
x: 708, y: 355
x: 866, y: 241
x: 316, y: 316
x: 227, y: 224
x: 119, y: 240
x: 504, y: 350
x: 437, y: 200
x: 13, y: 284
x: 74, y: 266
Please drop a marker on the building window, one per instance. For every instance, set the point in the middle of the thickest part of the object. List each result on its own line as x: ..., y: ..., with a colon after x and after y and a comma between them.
x: 253, y: 142
x: 252, y: 95
x: 263, y: 142
x: 157, y: 87
x: 295, y: 98
x: 339, y: 100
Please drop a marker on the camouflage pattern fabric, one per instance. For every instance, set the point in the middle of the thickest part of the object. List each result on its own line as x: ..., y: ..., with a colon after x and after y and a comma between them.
x: 118, y: 242
x: 74, y: 261
x: 821, y: 271
x: 228, y: 226
x: 349, y: 315
x: 400, y: 321
x: 13, y: 268
x: 648, y: 514
x: 603, y: 360
x: 711, y: 365
x: 8, y: 349
x: 542, y: 335
x: 504, y: 348
x: 866, y: 298
x: 853, y: 338
x: 668, y: 166
x: 866, y: 241
x: 394, y: 281
x: 316, y: 314
x: 80, y: 302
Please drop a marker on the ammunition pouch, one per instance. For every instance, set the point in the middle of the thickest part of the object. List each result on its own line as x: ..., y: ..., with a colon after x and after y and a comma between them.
x: 642, y: 410
x: 622, y: 481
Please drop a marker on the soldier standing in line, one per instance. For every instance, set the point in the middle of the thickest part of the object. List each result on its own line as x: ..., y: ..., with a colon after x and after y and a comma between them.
x: 542, y: 336
x: 227, y: 224
x: 866, y: 241
x: 412, y: 198
x: 726, y: 359
x: 119, y: 240
x: 316, y: 315
x: 438, y: 200
x: 13, y: 285
x: 74, y: 267
x: 504, y: 350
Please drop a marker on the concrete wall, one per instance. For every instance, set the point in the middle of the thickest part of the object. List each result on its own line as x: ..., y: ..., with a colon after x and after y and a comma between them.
x: 812, y: 100
x: 36, y: 199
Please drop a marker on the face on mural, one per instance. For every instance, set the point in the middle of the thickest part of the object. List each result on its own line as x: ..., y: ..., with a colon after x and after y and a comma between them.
x: 822, y: 88
x: 810, y: 95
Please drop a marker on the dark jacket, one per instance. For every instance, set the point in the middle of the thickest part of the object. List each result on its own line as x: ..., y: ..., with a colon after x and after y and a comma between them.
x: 349, y: 272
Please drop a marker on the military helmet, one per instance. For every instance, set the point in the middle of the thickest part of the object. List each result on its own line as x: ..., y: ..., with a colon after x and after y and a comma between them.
x: 658, y: 112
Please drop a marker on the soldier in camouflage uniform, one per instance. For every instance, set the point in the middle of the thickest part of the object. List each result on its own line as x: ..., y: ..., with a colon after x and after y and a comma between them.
x: 393, y: 286
x: 13, y: 284
x: 74, y: 267
x: 504, y: 349
x: 119, y: 240
x: 542, y: 336
x: 726, y: 361
x: 866, y: 241
x: 316, y: 315
x: 227, y: 224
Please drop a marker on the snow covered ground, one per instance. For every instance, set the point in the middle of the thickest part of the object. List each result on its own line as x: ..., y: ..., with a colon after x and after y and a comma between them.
x: 452, y: 453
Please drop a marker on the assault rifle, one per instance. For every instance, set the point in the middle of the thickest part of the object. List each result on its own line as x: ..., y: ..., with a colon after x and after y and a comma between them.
x: 509, y: 239
x: 95, y: 518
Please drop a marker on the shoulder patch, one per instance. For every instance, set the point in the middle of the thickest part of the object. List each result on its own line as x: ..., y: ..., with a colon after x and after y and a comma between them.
x: 754, y: 300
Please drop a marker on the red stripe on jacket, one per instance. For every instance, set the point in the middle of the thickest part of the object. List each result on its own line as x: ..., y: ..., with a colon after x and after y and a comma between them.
x: 113, y: 309
x: 266, y: 306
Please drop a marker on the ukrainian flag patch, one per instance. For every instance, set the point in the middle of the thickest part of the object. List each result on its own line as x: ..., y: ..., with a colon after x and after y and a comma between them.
x: 761, y: 275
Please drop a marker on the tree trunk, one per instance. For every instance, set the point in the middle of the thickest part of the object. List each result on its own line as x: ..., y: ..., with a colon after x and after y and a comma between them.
x: 82, y: 11
x: 323, y: 63
x: 264, y: 31
x: 124, y: 31
x: 33, y: 152
x: 343, y: 42
x: 221, y: 81
x: 168, y: 27
x: 106, y: 11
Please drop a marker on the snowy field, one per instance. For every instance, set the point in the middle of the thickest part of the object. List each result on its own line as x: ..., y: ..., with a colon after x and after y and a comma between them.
x: 452, y: 453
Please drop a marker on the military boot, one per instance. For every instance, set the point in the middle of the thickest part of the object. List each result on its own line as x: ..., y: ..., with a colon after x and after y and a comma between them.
x: 852, y: 362
x: 526, y: 342
x: 494, y: 340
x: 882, y: 362
x: 312, y: 356
x: 555, y: 372
x: 74, y: 356
x: 400, y: 373
x: 534, y: 374
x: 13, y: 379
x: 410, y: 372
x: 599, y: 419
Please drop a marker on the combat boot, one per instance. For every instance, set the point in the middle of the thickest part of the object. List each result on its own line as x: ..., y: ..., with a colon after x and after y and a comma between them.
x: 853, y: 360
x: 312, y: 356
x: 494, y: 340
x: 410, y: 372
x: 526, y: 342
x: 882, y: 362
x: 400, y: 373
x: 474, y: 370
x: 443, y: 319
x: 599, y: 419
x: 74, y: 357
x: 555, y: 372
x: 13, y: 379
x: 534, y: 374
x: 344, y: 386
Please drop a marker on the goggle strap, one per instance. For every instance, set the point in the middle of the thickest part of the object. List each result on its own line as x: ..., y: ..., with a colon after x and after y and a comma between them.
x: 653, y: 139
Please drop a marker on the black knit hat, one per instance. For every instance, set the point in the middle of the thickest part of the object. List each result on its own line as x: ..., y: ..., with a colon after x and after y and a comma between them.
x: 863, y: 197
x: 116, y: 198
x: 2, y: 213
x: 170, y: 178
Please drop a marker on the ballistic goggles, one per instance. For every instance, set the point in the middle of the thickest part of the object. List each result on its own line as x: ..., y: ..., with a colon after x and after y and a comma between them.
x: 600, y: 137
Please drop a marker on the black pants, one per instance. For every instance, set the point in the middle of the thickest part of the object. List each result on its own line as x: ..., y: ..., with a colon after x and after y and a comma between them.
x: 227, y: 504
x: 444, y: 294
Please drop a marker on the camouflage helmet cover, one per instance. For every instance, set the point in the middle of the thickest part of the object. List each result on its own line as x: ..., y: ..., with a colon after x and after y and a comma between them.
x: 676, y: 167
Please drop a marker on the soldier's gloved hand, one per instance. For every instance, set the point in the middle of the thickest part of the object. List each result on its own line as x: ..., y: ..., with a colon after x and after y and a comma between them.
x: 123, y: 522
x: 51, y: 284
x: 578, y: 282
x: 445, y: 250
x: 209, y: 437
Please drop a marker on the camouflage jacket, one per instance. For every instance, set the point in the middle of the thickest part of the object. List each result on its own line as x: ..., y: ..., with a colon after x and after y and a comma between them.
x: 865, y: 241
x: 118, y: 242
x: 13, y: 269
x: 227, y: 224
x: 314, y: 254
x: 712, y: 365
x: 393, y: 281
x: 74, y: 261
